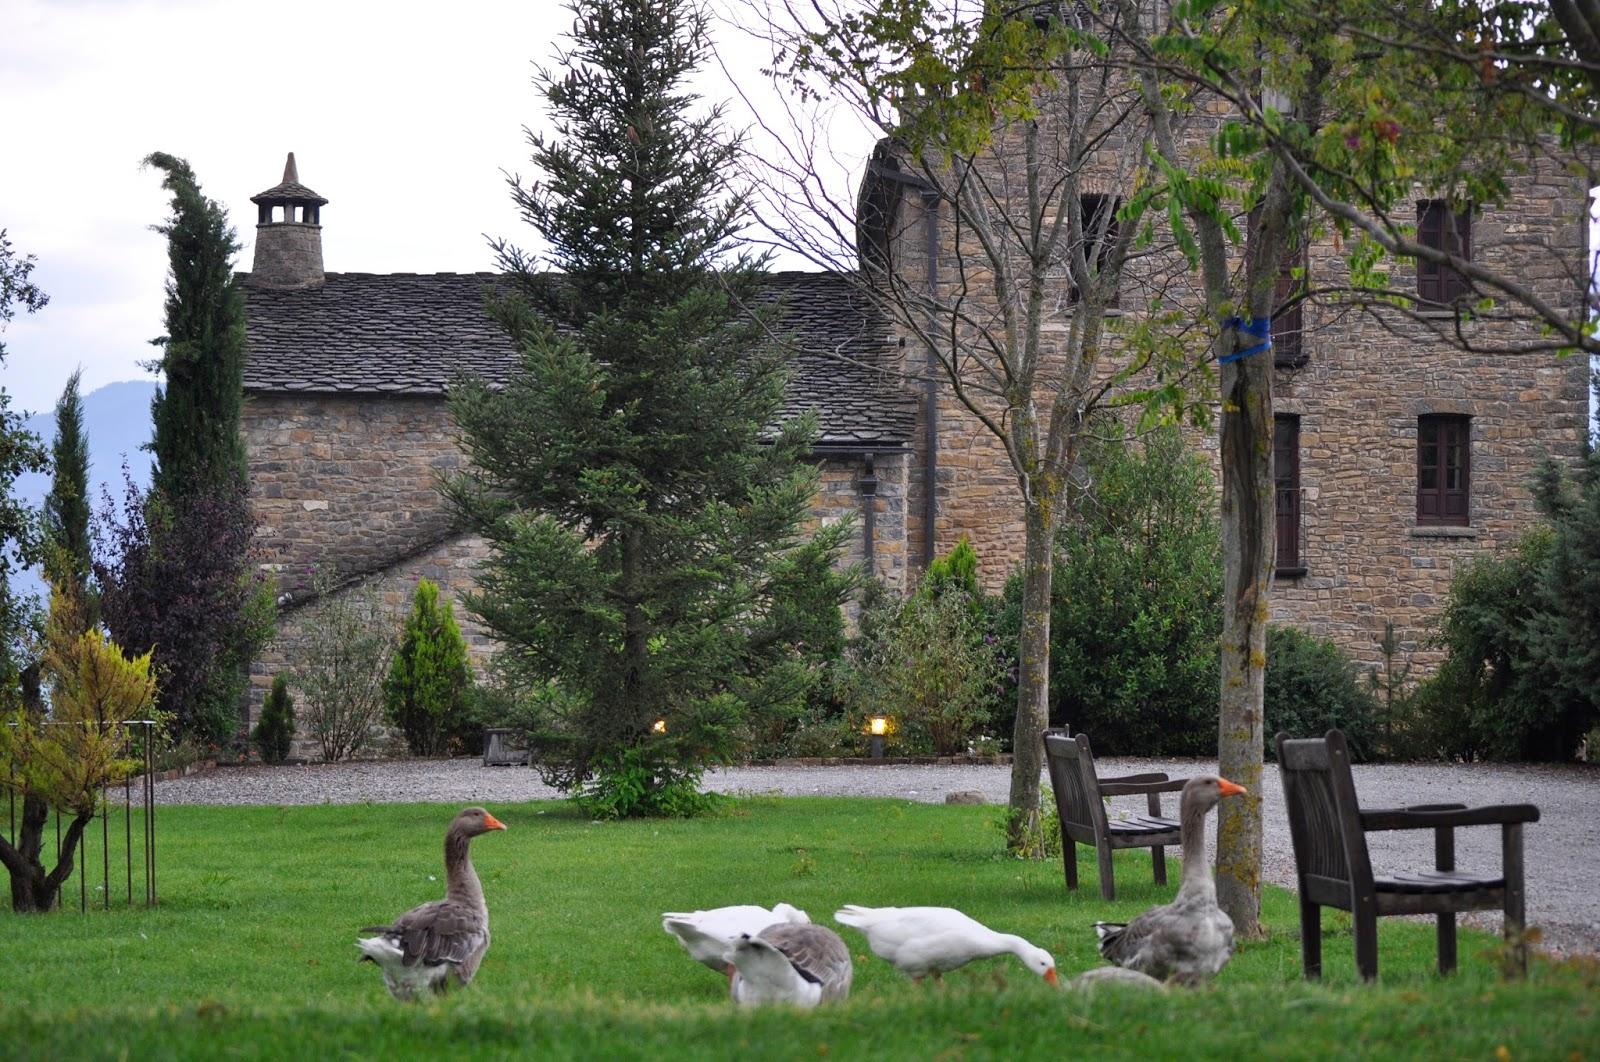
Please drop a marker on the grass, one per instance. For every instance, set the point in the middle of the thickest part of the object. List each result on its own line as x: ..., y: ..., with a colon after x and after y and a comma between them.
x: 250, y: 952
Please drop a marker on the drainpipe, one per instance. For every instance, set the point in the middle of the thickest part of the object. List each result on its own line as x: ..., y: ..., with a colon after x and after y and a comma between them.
x: 869, y: 515
x: 930, y: 384
x: 929, y: 193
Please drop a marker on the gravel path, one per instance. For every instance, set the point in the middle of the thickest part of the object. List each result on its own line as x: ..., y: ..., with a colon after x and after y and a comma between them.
x: 1562, y: 849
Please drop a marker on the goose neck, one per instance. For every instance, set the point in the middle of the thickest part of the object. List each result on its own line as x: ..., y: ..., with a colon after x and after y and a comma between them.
x: 461, y: 880
x: 1197, y: 882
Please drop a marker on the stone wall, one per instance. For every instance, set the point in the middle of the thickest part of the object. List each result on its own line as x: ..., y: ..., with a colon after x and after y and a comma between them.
x: 347, y: 482
x: 1365, y: 381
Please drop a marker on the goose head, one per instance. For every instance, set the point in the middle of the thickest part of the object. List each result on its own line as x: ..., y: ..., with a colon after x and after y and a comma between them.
x: 1205, y: 790
x: 472, y: 822
x: 1040, y: 962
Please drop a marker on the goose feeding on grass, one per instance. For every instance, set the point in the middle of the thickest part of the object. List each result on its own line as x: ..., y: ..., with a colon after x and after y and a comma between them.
x: 707, y: 935
x: 1191, y: 938
x: 430, y: 946
x: 788, y: 963
x: 932, y: 940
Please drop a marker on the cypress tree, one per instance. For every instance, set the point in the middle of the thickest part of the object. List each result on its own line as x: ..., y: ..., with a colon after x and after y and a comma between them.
x: 66, y: 507
x: 429, y: 675
x: 196, y: 412
x: 178, y: 582
x: 634, y: 504
x: 274, y: 731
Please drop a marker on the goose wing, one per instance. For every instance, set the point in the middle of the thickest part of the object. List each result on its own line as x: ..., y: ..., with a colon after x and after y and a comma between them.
x: 442, y: 931
x: 817, y: 953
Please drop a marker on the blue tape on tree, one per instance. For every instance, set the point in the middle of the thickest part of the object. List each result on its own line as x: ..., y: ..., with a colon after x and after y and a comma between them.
x: 1259, y: 327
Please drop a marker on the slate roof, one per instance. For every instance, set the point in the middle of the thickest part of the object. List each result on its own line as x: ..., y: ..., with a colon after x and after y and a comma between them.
x: 410, y: 333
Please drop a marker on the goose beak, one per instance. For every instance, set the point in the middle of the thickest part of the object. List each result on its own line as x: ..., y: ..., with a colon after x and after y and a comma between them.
x: 492, y: 822
x: 1050, y: 976
x: 1230, y: 788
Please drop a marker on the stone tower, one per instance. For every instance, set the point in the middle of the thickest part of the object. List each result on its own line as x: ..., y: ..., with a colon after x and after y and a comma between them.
x: 288, y: 234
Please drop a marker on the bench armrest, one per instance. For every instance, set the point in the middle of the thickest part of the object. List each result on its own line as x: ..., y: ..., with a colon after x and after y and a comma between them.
x: 1433, y: 816
x: 1154, y: 776
x: 1173, y: 785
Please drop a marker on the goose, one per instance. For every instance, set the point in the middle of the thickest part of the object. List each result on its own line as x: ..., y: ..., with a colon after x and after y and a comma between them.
x: 931, y: 940
x: 788, y: 963
x: 430, y: 945
x: 707, y: 935
x: 1114, y: 977
x: 1190, y: 938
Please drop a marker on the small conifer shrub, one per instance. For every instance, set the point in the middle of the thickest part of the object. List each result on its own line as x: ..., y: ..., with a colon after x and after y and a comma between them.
x: 429, y: 677
x: 275, y: 729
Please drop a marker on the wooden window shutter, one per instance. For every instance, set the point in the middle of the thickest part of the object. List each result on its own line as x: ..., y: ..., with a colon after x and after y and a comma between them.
x: 1444, y: 469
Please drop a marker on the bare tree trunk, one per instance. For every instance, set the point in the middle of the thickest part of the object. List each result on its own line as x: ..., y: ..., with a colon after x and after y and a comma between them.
x: 1033, y: 680
x: 1248, y: 545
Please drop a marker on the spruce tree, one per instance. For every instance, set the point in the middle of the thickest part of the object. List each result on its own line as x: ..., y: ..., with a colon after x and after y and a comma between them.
x: 196, y: 411
x: 622, y: 475
x: 66, y: 507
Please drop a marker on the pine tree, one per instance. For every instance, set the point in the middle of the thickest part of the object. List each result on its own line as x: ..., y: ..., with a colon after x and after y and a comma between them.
x: 622, y: 475
x: 196, y: 412
x: 66, y: 507
x: 1563, y: 635
x: 429, y: 676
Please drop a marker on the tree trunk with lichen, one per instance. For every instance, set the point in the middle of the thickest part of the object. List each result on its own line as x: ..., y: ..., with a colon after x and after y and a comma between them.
x: 1248, y: 544
x: 1023, y: 835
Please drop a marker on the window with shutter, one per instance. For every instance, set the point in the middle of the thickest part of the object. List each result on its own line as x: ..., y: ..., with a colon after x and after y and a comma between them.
x: 1286, y: 481
x: 1445, y: 229
x: 1288, y: 321
x: 1099, y: 233
x: 1444, y: 469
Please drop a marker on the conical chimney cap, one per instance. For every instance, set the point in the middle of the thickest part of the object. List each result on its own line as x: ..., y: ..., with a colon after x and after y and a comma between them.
x: 289, y: 190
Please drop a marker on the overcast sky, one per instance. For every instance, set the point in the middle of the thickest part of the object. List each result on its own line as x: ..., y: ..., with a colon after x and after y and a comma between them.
x: 402, y: 114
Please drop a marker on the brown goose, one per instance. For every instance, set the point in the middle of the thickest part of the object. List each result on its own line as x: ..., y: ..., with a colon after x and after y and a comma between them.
x: 1190, y: 938
x: 444, y: 940
x: 787, y: 963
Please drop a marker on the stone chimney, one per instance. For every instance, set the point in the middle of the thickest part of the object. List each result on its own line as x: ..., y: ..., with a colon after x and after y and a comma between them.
x: 288, y: 234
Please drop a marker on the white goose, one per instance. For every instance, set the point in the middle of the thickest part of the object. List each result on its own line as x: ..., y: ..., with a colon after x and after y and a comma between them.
x: 799, y: 964
x: 707, y: 935
x: 932, y: 940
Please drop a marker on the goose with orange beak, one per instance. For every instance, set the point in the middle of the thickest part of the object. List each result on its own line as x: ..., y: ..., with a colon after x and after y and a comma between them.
x: 930, y: 941
x: 440, y: 943
x: 1191, y: 938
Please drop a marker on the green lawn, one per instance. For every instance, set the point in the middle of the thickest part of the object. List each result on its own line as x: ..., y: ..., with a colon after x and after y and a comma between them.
x: 251, y: 951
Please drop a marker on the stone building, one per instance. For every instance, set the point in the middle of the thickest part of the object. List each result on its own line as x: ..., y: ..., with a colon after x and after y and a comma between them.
x: 1400, y: 458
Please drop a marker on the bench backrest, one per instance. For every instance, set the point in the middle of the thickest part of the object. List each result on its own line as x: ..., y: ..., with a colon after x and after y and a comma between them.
x: 1324, y: 816
x: 1072, y: 777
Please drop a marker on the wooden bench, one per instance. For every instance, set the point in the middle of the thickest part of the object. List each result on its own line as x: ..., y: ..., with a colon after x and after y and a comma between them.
x: 498, y: 751
x: 1081, y: 807
x: 1329, y: 832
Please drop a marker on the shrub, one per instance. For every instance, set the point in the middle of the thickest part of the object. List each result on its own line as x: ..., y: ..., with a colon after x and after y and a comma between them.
x: 1493, y: 697
x: 429, y: 679
x: 1312, y: 687
x: 275, y: 729
x: 343, y: 655
x: 1136, y: 601
x: 934, y: 670
x: 633, y: 783
x: 176, y: 581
